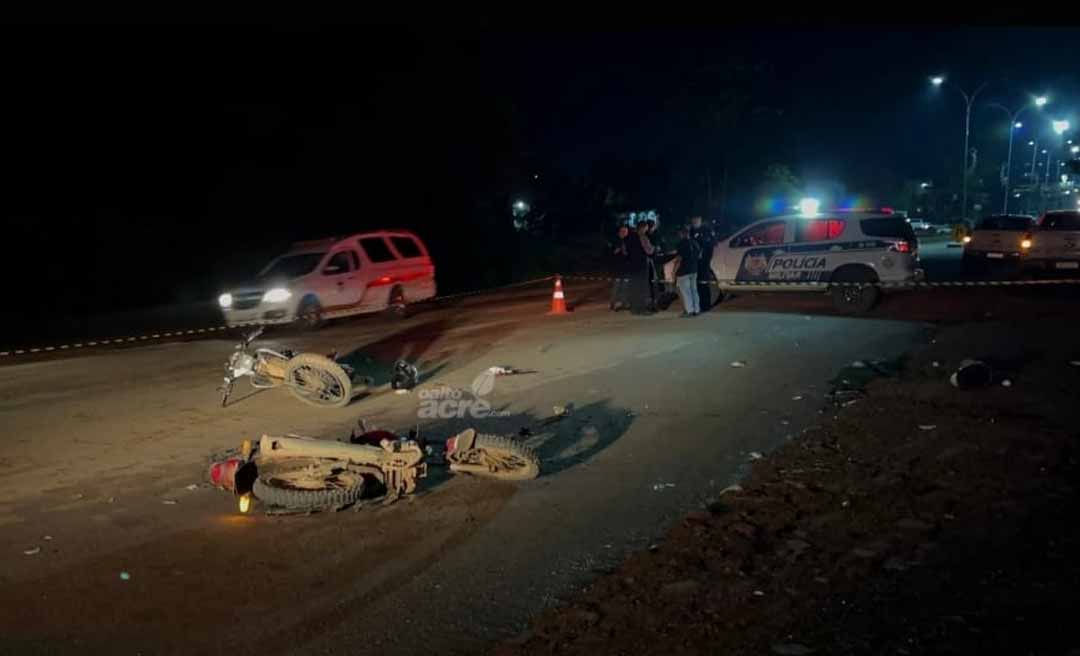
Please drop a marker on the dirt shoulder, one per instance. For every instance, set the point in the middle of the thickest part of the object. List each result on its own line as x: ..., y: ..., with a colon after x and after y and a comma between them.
x: 919, y: 519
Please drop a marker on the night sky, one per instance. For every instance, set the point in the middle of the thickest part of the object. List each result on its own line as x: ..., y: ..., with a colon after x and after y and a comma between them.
x: 150, y: 164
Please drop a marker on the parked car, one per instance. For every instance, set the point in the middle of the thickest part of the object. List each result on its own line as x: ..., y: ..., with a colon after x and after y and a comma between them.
x: 1001, y: 237
x: 920, y: 225
x: 329, y: 278
x: 778, y: 254
x: 1055, y: 244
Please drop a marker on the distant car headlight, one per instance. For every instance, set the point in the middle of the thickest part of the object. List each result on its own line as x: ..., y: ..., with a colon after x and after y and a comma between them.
x: 277, y: 295
x: 967, y: 239
x: 225, y: 300
x: 1025, y: 244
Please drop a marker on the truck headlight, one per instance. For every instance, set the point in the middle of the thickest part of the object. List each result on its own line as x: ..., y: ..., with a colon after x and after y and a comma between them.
x: 276, y: 295
x: 225, y: 300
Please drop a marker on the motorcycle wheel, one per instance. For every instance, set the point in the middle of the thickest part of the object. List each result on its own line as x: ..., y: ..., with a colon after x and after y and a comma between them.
x: 319, y: 381
x: 506, y: 459
x: 308, y: 484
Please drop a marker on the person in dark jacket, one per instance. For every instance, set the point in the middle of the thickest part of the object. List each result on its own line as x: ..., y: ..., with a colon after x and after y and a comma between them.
x: 686, y: 273
x: 638, y: 251
x: 702, y: 233
x: 619, y: 297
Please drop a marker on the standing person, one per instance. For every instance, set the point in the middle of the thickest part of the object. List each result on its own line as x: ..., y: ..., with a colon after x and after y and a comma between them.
x: 703, y: 235
x: 638, y: 251
x: 620, y: 270
x: 654, y: 261
x: 686, y: 273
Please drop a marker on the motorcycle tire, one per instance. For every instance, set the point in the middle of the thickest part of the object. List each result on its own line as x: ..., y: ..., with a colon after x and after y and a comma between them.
x: 271, y: 491
x: 505, y: 448
x: 330, y: 372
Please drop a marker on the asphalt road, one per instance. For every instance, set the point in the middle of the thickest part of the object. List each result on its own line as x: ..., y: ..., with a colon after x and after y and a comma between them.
x: 98, y: 452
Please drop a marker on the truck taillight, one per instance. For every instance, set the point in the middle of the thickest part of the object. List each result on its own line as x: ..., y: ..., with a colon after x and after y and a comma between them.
x: 902, y: 247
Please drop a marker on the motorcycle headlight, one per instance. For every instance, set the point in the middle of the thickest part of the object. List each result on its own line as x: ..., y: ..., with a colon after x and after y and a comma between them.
x: 225, y: 300
x: 276, y: 295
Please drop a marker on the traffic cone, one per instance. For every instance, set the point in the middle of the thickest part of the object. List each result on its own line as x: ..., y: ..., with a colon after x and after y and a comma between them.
x: 558, y: 300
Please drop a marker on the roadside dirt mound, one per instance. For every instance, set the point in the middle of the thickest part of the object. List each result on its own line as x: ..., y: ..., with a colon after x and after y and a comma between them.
x: 921, y: 519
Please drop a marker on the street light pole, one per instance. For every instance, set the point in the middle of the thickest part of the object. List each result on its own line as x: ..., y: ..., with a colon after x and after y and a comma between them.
x: 969, y: 100
x: 1014, y: 124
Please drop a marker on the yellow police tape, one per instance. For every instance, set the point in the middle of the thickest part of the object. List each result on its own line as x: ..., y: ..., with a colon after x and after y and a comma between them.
x: 809, y: 285
x: 215, y: 329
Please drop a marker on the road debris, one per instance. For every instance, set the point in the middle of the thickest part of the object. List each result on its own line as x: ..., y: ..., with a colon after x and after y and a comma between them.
x: 738, y: 364
x: 193, y: 486
x: 935, y: 364
x: 927, y: 427
x: 47, y: 538
x: 169, y: 502
x: 754, y: 455
x: 1006, y: 383
x: 32, y: 552
x: 859, y: 364
x: 1074, y: 363
x: 405, y: 376
x: 508, y: 371
x: 661, y: 486
x: 797, y: 397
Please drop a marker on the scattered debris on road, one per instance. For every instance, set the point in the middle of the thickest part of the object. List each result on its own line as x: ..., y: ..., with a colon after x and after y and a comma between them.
x: 662, y: 486
x: 192, y: 487
x: 754, y: 455
x: 32, y: 552
x: 169, y: 502
x: 738, y: 364
x: 797, y: 397
x: 861, y: 536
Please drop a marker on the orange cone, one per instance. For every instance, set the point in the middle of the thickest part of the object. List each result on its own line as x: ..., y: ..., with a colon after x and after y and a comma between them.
x: 558, y: 300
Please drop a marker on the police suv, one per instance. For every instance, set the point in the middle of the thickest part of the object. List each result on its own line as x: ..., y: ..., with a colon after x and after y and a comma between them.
x: 809, y: 252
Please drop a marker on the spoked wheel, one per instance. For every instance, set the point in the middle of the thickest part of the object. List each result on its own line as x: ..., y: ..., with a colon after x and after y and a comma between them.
x: 308, y: 484
x: 494, y: 456
x: 319, y: 381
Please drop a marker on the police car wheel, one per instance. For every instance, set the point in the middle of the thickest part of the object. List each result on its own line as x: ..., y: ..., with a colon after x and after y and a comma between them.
x: 855, y: 299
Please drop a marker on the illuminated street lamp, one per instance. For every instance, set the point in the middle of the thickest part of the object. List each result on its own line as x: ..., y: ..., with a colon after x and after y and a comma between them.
x: 1074, y: 150
x: 1060, y: 126
x: 969, y: 100
x: 1015, y: 124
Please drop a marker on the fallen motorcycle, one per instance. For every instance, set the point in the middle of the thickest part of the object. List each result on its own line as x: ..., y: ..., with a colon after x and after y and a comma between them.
x: 314, y: 379
x: 301, y: 473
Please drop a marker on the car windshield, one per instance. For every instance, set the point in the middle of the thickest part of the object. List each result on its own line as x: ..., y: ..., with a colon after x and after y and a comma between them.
x: 1060, y: 221
x: 894, y: 227
x: 1005, y: 223
x: 292, y: 266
